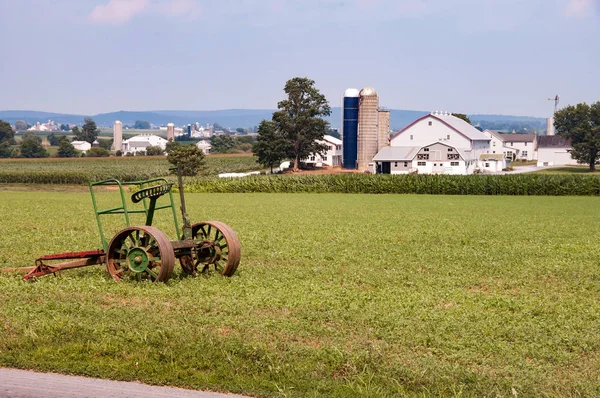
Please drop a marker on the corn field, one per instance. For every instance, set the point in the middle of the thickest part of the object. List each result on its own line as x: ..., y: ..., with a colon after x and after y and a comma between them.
x: 83, y: 170
x: 518, y: 184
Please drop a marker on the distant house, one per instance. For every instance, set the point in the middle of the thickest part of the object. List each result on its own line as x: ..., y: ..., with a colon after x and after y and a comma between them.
x: 435, y: 144
x: 525, y: 144
x: 139, y: 143
x: 333, y: 156
x: 553, y: 150
x: 82, y: 146
x: 204, y: 146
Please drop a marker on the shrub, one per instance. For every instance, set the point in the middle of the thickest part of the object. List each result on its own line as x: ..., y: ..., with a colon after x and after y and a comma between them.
x: 97, y: 152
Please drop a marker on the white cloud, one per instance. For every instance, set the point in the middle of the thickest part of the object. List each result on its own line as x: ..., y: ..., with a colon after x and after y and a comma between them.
x: 117, y: 11
x: 578, y: 7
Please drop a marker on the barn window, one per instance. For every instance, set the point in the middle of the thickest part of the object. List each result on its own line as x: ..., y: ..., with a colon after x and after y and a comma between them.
x: 411, y: 137
x: 448, y: 136
x: 449, y: 149
x: 487, y: 165
x: 421, y: 163
x: 425, y: 149
x: 405, y: 164
x: 430, y: 123
x: 453, y: 163
x: 395, y: 164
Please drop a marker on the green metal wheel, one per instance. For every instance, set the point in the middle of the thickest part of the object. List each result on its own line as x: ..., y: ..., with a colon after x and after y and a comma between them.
x: 217, y: 246
x: 142, y: 253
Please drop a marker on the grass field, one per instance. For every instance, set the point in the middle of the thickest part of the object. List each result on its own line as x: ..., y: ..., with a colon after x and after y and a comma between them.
x: 585, y: 170
x: 336, y: 295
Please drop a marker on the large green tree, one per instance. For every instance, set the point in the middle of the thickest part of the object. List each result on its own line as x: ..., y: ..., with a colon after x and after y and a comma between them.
x: 66, y: 150
x: 32, y: 148
x: 300, y: 119
x: 271, y: 147
x: 581, y: 124
x: 6, y: 132
x: 89, y: 131
x: 221, y: 143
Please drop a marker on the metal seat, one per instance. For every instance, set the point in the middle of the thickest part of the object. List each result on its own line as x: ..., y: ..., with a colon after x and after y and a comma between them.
x: 151, y: 192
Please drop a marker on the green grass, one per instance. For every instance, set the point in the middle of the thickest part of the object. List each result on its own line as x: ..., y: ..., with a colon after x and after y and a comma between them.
x: 336, y: 295
x: 568, y: 170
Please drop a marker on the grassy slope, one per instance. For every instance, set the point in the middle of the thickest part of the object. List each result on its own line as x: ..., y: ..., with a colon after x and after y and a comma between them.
x: 568, y: 170
x: 337, y: 295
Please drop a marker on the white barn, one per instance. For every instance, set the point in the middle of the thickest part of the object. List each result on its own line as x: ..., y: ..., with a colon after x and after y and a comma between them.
x: 435, y: 144
x: 553, y: 150
x: 82, y: 146
x: 139, y: 143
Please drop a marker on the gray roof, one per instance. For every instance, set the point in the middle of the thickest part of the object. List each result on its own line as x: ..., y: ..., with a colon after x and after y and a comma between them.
x: 463, y: 127
x: 517, y: 137
x: 553, y: 141
x: 397, y: 153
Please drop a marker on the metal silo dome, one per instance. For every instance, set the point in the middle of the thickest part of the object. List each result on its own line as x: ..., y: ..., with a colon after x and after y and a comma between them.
x: 367, y: 91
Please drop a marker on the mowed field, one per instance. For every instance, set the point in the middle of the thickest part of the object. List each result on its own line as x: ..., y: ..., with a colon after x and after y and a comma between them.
x: 336, y: 295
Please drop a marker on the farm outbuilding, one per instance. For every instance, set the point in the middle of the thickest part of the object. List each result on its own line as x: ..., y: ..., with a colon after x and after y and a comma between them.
x: 554, y: 150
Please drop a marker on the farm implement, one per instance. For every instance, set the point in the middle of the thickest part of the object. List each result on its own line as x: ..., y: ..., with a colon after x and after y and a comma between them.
x: 144, y: 252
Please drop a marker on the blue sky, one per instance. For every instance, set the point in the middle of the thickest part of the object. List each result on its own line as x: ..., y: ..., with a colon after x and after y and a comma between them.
x: 472, y: 56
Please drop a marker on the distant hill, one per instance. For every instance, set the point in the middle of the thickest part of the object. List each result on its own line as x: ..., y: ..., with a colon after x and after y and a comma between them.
x: 233, y: 118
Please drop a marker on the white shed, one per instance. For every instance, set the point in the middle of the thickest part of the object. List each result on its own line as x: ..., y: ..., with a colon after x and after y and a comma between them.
x: 553, y: 150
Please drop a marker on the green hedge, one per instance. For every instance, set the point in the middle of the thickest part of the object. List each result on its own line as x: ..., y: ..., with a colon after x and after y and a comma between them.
x: 516, y: 184
x: 64, y: 177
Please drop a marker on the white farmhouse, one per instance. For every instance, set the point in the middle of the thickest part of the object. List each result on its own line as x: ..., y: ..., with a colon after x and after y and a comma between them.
x: 333, y: 156
x: 204, y: 146
x: 525, y: 144
x: 82, y: 146
x: 435, y: 144
x: 553, y: 150
x: 139, y: 143
x: 498, y: 146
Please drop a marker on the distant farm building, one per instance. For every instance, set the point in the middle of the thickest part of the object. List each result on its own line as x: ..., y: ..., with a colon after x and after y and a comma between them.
x: 554, y: 150
x: 139, y: 143
x: 82, y: 146
x: 204, y: 146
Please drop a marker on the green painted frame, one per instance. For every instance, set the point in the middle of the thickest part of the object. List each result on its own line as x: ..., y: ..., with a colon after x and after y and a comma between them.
x: 123, y: 208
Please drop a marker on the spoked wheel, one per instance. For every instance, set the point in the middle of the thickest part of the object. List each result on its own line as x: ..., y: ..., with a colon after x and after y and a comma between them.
x: 218, y: 246
x: 141, y: 252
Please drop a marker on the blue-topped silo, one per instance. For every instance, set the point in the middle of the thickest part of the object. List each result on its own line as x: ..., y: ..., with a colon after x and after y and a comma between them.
x: 350, y: 128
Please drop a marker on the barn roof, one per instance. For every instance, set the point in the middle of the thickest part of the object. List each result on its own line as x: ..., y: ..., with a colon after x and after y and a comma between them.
x: 397, y: 153
x: 553, y: 141
x: 506, y: 137
x: 456, y: 124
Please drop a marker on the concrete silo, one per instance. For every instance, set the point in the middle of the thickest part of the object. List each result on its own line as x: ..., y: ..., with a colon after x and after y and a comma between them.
x: 350, y: 128
x: 368, y: 116
x: 170, y: 132
x: 383, y: 134
x: 118, y: 136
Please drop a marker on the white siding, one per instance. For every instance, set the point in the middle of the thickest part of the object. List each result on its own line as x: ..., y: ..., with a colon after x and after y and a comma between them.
x: 554, y: 157
x: 422, y: 134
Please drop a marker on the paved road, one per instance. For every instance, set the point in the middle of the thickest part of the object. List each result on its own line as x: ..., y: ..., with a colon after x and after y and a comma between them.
x: 26, y: 384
